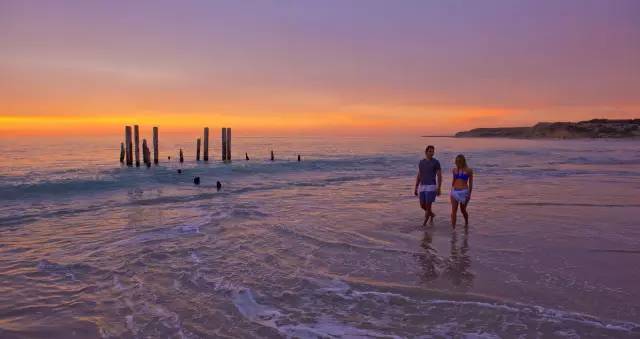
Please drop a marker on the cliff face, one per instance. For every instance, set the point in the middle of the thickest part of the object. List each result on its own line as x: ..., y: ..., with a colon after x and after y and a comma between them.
x: 596, y: 128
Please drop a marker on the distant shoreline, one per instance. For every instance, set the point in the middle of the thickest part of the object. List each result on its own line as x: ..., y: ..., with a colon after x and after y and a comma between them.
x: 590, y: 129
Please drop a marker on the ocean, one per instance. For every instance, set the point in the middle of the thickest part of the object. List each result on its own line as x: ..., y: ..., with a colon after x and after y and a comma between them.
x: 332, y: 246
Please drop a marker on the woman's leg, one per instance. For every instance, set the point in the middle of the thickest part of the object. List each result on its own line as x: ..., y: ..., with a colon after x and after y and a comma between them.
x: 463, y: 209
x: 454, y: 211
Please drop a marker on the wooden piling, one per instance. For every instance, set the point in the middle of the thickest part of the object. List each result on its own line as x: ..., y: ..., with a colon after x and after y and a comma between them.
x: 128, y: 145
x: 148, y: 157
x: 145, y: 152
x: 206, y: 144
x: 136, y: 140
x: 224, y: 144
x: 122, y: 152
x: 144, y: 147
x: 181, y: 156
x: 299, y: 158
x: 198, y: 149
x: 228, y: 143
x: 155, y: 145
x: 246, y: 156
x: 272, y: 157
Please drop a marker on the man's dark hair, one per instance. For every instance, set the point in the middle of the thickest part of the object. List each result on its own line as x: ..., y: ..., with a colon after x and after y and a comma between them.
x: 430, y: 146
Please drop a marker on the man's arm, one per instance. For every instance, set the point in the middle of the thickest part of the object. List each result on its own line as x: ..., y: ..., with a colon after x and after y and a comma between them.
x: 439, y: 173
x: 415, y: 190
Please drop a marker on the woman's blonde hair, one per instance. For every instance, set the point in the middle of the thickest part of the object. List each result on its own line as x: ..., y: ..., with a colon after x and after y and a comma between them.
x: 461, y: 160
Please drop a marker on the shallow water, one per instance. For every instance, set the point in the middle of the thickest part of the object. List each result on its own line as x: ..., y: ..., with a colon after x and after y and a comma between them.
x: 330, y: 247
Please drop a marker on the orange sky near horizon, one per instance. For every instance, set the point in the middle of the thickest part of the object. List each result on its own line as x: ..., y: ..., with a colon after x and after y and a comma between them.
x: 69, y: 68
x: 443, y: 121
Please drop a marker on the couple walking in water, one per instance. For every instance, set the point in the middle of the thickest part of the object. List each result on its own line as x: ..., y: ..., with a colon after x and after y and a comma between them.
x: 429, y: 182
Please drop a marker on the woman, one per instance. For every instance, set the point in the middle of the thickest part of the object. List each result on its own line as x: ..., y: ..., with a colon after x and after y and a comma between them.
x: 461, y: 188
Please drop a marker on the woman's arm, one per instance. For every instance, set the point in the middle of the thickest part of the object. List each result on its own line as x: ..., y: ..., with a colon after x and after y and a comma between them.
x: 439, y: 175
x: 470, y: 183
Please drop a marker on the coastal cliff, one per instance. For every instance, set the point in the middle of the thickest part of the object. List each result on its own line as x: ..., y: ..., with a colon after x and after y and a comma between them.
x: 596, y: 128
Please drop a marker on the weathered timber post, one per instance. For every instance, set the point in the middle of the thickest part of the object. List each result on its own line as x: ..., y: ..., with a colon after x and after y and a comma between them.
x: 181, y: 156
x: 122, y: 152
x: 155, y: 145
x: 148, y: 157
x: 128, y: 145
x: 224, y: 144
x: 299, y: 158
x: 145, y: 153
x: 246, y: 156
x: 272, y: 157
x: 136, y: 139
x: 206, y: 144
x: 198, y: 149
x: 229, y: 144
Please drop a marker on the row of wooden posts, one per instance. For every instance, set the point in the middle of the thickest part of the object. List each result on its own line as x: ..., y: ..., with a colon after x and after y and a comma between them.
x: 128, y: 147
x: 131, y: 147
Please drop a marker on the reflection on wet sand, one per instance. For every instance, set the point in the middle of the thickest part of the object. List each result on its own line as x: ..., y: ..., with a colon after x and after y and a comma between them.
x: 428, y: 260
x: 456, y: 268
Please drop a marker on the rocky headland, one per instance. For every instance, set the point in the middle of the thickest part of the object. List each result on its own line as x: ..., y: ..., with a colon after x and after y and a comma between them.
x: 596, y: 128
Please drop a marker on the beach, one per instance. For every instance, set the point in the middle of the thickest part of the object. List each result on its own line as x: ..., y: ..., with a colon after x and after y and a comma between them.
x: 332, y: 246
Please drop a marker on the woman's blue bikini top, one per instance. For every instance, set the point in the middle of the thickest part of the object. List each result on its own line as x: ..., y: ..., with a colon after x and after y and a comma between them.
x: 460, y: 175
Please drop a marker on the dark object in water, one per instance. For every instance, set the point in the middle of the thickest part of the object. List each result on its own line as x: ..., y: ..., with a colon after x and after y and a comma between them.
x: 299, y: 158
x: 218, y: 185
x: 196, y: 180
x: 179, y: 171
x: 272, y: 156
x: 181, y: 157
x: 615, y: 250
x: 169, y: 158
x: 246, y: 156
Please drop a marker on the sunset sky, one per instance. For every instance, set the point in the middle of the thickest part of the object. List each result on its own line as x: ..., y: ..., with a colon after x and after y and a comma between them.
x: 335, y: 67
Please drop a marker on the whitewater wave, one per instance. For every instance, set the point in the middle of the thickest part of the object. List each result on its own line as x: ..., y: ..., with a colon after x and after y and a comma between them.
x: 338, y: 309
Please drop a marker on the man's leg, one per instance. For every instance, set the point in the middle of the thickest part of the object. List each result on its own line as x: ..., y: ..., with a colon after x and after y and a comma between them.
x: 431, y: 198
x: 428, y: 214
x: 423, y: 205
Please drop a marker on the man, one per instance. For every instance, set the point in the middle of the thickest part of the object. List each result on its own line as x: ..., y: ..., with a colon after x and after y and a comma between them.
x: 427, y: 187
